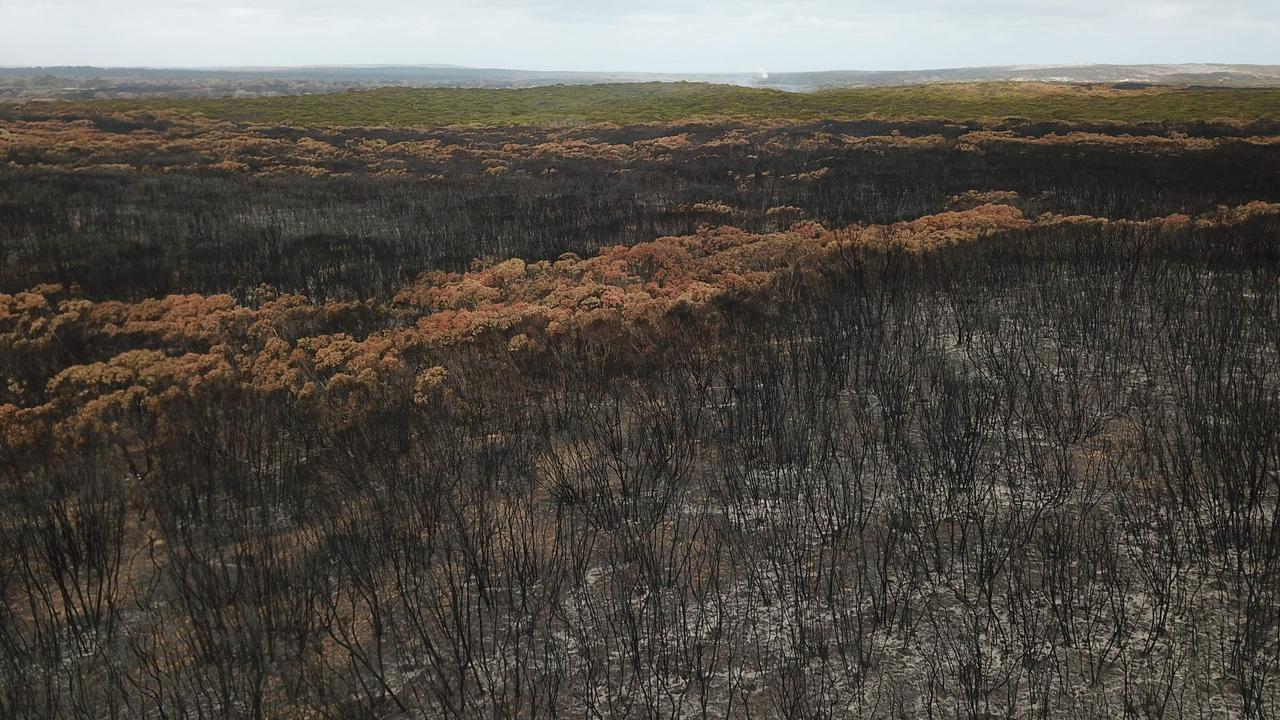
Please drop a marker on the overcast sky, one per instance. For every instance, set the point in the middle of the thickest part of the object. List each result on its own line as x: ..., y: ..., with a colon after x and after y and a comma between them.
x: 641, y: 35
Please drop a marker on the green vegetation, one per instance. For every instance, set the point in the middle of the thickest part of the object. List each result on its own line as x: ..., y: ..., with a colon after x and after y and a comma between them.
x: 664, y: 102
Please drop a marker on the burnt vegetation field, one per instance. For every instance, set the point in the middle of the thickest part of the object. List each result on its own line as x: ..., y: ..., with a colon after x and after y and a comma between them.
x: 719, y: 417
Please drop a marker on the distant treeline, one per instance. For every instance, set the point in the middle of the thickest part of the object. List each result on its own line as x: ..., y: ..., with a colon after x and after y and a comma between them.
x: 624, y: 103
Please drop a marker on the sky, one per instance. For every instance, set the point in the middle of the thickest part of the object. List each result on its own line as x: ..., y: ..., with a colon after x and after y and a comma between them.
x: 639, y: 35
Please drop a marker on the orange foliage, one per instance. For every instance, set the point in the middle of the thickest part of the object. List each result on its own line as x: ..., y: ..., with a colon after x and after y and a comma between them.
x: 183, y: 143
x: 624, y: 304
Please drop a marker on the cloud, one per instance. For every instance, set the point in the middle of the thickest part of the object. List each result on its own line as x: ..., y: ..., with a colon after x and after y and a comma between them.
x: 658, y: 35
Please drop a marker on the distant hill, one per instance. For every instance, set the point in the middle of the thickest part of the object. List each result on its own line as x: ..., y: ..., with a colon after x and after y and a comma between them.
x: 1187, y: 75
x: 82, y: 82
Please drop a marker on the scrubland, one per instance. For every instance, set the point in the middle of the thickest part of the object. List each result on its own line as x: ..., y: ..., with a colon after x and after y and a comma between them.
x: 357, y: 414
